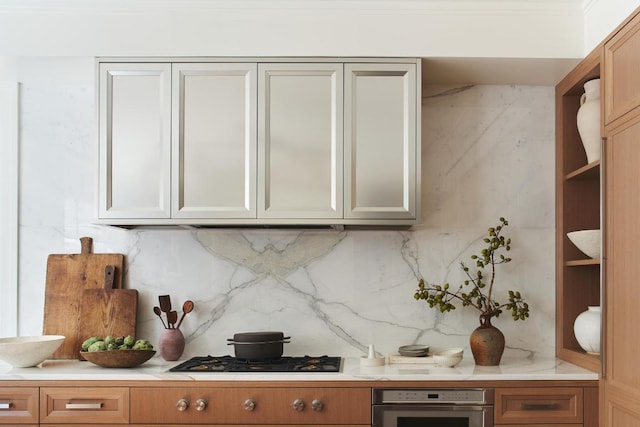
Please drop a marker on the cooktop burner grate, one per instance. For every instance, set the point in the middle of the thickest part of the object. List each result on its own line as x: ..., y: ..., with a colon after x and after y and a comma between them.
x: 283, y: 364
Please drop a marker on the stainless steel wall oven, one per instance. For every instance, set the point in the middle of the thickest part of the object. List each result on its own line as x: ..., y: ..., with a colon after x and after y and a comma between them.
x: 464, y: 407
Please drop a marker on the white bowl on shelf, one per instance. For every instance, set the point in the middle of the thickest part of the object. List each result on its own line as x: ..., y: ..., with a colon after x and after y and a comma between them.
x: 24, y: 352
x: 588, y: 241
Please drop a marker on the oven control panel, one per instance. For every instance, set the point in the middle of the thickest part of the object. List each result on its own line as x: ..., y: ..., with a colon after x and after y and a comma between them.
x: 453, y: 395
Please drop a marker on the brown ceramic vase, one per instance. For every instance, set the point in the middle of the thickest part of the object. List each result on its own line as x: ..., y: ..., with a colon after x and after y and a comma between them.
x: 487, y: 344
x: 171, y: 344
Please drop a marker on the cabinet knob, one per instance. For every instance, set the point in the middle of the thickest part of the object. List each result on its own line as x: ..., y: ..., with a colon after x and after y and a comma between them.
x: 182, y: 405
x: 317, y: 405
x: 200, y: 405
x: 249, y: 405
x: 298, y: 405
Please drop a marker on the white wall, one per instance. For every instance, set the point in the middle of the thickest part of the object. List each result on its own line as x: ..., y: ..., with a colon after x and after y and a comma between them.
x: 423, y: 28
x: 602, y: 17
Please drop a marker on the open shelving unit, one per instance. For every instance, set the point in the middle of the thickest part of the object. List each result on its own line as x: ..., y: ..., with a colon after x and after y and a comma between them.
x: 578, y: 207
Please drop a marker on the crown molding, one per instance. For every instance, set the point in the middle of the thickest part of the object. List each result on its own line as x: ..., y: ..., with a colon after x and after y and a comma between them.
x: 466, y: 7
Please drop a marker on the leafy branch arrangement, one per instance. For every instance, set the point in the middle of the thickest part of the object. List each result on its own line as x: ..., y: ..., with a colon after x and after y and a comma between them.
x: 480, y: 296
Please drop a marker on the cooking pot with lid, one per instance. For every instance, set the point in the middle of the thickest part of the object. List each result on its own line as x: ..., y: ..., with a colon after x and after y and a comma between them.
x: 258, y: 345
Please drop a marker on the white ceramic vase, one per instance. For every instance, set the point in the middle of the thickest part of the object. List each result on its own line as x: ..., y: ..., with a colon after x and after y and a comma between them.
x: 586, y: 328
x: 588, y: 120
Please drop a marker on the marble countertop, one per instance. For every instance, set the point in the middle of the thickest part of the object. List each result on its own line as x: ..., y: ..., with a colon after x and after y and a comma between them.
x: 157, y: 369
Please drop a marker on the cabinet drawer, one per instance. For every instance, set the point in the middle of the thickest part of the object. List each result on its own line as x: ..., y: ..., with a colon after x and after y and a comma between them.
x: 18, y: 405
x: 75, y: 405
x: 536, y: 406
x: 271, y: 406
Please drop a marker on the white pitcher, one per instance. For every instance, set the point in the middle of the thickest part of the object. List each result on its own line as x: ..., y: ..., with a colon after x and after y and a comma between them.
x: 588, y: 120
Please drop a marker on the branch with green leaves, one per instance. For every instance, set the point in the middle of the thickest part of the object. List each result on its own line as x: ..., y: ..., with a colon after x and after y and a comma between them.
x: 480, y: 295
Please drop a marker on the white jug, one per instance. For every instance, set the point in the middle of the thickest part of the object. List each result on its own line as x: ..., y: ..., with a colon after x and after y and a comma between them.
x: 588, y: 120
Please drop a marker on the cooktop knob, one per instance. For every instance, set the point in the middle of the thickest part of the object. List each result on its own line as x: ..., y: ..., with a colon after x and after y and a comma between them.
x: 317, y: 405
x: 298, y: 405
x: 249, y: 405
x: 182, y: 405
x: 200, y: 405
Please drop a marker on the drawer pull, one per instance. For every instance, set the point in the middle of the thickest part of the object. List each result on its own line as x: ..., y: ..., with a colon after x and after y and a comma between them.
x: 5, y: 405
x: 539, y: 406
x: 86, y: 405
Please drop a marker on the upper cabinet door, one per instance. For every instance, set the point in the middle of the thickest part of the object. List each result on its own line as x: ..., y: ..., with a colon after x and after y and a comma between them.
x: 622, y: 77
x: 300, y: 146
x: 381, y: 148
x: 214, y: 140
x: 134, y: 140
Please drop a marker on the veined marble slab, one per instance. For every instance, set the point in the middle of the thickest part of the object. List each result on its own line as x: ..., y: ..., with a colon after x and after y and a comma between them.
x: 156, y: 369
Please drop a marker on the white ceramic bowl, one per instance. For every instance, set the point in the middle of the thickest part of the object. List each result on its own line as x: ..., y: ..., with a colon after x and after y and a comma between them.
x: 588, y: 241
x: 23, y: 352
x: 448, y: 358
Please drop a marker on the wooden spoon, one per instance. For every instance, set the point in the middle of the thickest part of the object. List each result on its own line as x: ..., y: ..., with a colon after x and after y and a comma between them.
x: 187, y: 307
x: 158, y: 313
x: 165, y: 303
x: 172, y: 318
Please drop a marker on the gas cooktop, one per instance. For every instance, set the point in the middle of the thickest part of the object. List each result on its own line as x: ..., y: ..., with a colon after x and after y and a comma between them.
x: 283, y: 364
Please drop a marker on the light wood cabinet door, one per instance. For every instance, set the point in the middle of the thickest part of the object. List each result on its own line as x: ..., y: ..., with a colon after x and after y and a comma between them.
x: 622, y: 77
x: 214, y: 140
x: 134, y: 140
x: 18, y: 405
x: 621, y: 380
x: 381, y: 148
x: 300, y: 140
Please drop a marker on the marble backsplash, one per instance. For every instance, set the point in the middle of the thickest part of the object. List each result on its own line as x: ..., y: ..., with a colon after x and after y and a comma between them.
x: 488, y: 151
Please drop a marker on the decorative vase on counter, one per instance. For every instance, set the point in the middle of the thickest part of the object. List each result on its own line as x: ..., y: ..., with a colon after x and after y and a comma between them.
x: 487, y: 344
x: 586, y: 328
x: 171, y: 344
x: 588, y: 120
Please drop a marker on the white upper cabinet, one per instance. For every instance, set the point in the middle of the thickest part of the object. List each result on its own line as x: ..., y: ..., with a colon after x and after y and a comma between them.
x: 135, y: 137
x: 300, y: 141
x: 214, y: 140
x: 380, y: 141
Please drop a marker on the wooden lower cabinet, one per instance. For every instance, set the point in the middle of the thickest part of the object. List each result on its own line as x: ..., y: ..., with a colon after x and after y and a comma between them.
x: 250, y: 406
x: 546, y: 407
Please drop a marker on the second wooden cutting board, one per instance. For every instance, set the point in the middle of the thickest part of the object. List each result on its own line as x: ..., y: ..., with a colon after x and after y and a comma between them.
x: 68, y: 275
x: 107, y: 311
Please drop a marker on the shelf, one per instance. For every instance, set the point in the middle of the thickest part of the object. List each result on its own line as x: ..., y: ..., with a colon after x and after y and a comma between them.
x: 581, y: 262
x: 581, y: 358
x: 590, y: 171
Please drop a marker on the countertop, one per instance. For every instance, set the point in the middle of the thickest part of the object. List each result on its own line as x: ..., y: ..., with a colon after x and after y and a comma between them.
x: 157, y: 369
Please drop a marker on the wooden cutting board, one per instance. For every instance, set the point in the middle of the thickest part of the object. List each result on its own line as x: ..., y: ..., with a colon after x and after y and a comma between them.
x: 68, y: 275
x: 107, y: 311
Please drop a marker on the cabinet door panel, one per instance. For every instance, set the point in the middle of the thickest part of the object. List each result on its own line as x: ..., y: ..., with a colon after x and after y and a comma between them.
x: 134, y: 129
x: 300, y: 141
x: 214, y: 140
x: 380, y: 141
x: 622, y: 62
x: 621, y: 384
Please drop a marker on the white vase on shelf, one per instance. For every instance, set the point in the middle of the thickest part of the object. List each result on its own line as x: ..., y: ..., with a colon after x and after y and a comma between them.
x: 588, y: 120
x: 586, y: 328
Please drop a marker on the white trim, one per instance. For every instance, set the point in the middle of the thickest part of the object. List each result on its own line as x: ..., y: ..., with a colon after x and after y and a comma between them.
x: 9, y: 208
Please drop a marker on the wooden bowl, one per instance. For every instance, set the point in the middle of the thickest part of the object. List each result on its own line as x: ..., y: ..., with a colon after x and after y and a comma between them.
x: 118, y: 358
